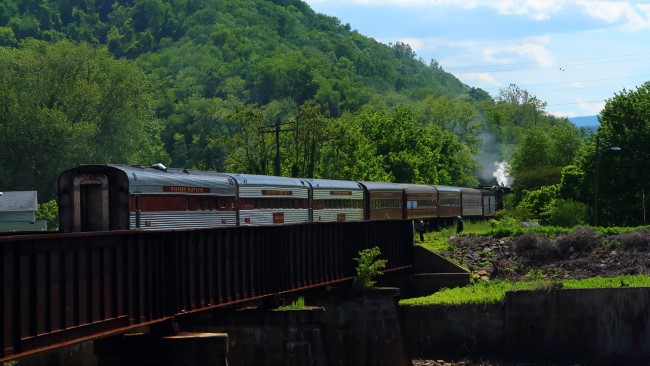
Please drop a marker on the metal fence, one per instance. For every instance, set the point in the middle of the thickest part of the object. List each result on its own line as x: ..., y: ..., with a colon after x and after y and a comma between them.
x: 64, y: 288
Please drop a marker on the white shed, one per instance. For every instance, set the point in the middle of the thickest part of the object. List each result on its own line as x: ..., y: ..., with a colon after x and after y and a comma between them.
x: 18, y: 212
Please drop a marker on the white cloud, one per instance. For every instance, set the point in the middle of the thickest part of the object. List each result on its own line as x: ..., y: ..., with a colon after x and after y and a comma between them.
x: 536, y: 9
x: 485, y: 78
x: 631, y: 16
x: 532, y: 49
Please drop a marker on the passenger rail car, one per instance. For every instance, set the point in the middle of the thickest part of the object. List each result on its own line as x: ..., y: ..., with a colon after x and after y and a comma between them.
x: 449, y: 204
x: 122, y: 197
x: 384, y: 201
x: 266, y: 200
x: 472, y: 202
x: 336, y: 200
x: 421, y: 201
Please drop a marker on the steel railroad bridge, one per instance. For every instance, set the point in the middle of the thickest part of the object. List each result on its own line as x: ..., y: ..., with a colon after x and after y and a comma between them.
x: 63, y: 288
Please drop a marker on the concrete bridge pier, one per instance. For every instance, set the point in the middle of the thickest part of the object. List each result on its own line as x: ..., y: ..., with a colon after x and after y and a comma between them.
x: 182, y: 349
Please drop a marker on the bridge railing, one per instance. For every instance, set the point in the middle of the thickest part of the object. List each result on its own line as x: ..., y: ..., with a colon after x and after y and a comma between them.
x: 64, y: 288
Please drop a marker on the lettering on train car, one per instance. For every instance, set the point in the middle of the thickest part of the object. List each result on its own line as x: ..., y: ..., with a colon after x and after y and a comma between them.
x: 271, y: 192
x: 180, y: 189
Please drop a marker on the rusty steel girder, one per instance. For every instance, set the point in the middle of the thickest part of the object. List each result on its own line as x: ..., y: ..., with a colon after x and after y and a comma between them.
x: 59, y: 289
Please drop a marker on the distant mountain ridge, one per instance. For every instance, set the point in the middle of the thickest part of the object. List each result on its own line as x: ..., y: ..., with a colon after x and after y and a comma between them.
x: 585, y: 121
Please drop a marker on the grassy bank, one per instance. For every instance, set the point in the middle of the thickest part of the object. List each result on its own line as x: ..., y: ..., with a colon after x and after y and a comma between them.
x: 494, y: 292
x: 539, y: 256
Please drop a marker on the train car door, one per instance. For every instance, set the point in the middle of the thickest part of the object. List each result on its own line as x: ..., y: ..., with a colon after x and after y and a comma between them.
x: 91, y: 203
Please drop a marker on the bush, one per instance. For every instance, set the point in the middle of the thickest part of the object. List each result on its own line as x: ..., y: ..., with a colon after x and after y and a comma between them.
x: 565, y: 213
x: 368, y: 267
x: 636, y: 240
x: 536, y: 247
x: 578, y: 241
x: 49, y: 211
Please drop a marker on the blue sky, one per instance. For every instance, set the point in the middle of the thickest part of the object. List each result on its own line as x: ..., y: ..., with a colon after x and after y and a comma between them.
x: 572, y: 54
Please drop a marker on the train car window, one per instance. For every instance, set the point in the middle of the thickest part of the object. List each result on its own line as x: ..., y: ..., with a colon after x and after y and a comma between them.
x: 192, y: 204
x: 149, y: 203
x: 245, y: 204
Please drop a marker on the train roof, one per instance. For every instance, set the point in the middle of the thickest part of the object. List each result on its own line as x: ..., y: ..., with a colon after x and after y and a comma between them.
x: 334, y: 184
x: 382, y: 186
x: 470, y: 190
x: 267, y: 180
x: 446, y: 188
x: 149, y: 179
x: 418, y: 188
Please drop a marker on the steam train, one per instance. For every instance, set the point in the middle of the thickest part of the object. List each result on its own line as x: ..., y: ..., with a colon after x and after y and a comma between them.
x: 122, y: 197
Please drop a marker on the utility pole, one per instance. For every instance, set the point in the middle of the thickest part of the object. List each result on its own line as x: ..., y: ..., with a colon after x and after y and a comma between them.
x: 277, y: 147
x: 275, y: 128
x: 596, y: 173
x: 596, y: 176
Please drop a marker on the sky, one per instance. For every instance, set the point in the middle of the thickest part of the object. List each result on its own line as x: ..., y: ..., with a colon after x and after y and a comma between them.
x: 571, y: 54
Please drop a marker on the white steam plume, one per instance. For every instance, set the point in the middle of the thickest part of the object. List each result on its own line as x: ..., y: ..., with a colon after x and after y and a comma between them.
x: 501, y: 173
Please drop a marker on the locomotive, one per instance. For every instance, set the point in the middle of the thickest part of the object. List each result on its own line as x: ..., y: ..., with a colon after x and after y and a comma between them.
x: 123, y: 197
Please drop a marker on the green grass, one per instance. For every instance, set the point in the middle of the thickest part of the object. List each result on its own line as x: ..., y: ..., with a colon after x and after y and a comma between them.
x: 486, y: 293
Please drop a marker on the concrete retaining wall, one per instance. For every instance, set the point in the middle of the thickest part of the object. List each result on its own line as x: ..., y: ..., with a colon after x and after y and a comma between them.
x: 599, y: 324
x: 610, y: 325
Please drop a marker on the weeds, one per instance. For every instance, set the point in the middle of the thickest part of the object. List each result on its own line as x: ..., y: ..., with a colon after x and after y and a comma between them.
x: 299, y: 304
x: 368, y: 267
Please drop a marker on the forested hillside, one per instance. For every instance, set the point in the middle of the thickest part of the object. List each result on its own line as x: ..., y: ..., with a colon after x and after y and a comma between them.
x: 203, y: 83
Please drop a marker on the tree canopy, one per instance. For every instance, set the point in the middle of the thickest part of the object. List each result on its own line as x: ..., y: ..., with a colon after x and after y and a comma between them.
x: 202, y: 83
x: 64, y: 104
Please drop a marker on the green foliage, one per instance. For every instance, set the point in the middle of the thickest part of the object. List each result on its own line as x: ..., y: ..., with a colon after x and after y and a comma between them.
x: 536, y: 201
x: 68, y: 103
x: 298, y: 304
x: 214, y: 65
x: 486, y: 293
x: 566, y: 213
x: 49, y: 211
x: 207, y: 78
x: 623, y: 177
x: 368, y: 267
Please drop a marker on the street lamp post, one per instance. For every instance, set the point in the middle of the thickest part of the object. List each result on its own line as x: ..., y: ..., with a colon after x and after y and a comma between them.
x: 596, y: 176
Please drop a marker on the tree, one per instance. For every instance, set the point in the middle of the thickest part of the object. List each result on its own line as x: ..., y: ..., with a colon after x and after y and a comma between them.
x: 348, y: 154
x: 250, y: 149
x: 66, y: 104
x: 308, y: 132
x: 454, y: 116
x: 623, y: 175
x: 544, y: 150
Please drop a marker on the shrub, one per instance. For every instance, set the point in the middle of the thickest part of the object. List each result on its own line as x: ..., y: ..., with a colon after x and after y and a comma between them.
x: 299, y: 304
x: 368, y: 267
x: 636, y: 240
x: 536, y: 247
x: 565, y: 213
x: 49, y: 211
x: 578, y: 241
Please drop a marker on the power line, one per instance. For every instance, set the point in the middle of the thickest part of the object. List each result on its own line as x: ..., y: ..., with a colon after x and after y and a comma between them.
x: 576, y: 81
x: 556, y: 63
x: 581, y: 102
x: 580, y: 88
x: 547, y: 67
